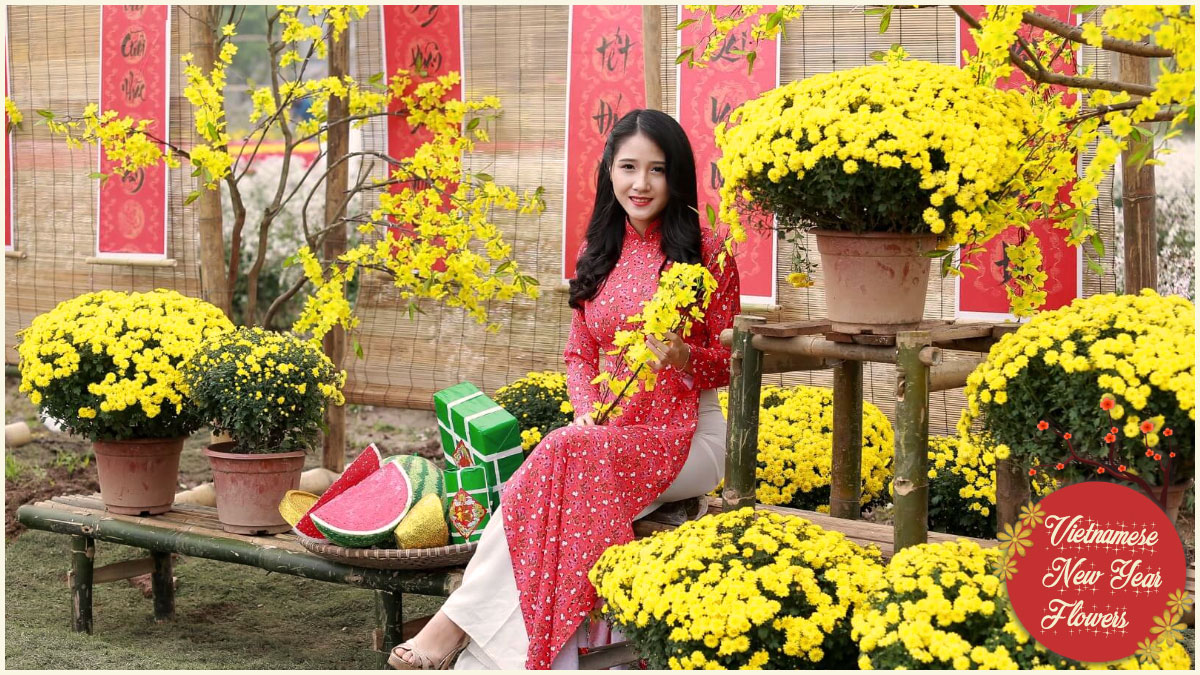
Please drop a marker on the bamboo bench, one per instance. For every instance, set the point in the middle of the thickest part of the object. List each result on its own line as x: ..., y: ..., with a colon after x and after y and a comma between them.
x: 194, y: 531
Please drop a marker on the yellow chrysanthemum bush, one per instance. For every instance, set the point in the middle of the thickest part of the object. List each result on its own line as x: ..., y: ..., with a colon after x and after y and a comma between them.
x: 267, y: 390
x: 744, y: 589
x: 108, y: 364
x: 962, y: 485
x: 904, y: 146
x: 942, y: 606
x: 540, y: 403
x: 795, y: 446
x: 1112, y: 376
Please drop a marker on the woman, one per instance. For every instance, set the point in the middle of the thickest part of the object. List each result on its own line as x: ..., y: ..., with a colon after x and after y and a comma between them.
x: 526, y: 592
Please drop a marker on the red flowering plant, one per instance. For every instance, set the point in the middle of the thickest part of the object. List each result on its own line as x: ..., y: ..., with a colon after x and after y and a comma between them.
x: 1154, y: 466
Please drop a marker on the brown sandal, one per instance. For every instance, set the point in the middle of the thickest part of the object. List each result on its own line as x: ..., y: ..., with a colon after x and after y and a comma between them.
x: 420, y: 661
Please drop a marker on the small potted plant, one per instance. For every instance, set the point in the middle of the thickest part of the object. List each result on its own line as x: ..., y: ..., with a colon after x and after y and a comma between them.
x: 268, y: 391
x: 1103, y: 388
x: 107, y: 365
x: 891, y: 164
x: 539, y: 402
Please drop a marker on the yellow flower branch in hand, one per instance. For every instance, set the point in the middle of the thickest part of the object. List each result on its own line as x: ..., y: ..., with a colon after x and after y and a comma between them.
x: 684, y: 291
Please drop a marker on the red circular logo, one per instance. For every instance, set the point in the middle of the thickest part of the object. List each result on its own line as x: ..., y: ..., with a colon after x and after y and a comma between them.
x: 1095, y: 570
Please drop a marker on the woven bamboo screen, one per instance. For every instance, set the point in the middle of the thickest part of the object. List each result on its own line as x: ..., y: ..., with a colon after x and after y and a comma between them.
x: 520, y: 55
x: 55, y: 53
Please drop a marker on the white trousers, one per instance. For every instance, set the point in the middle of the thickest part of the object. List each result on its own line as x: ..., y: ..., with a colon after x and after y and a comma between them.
x: 487, y: 605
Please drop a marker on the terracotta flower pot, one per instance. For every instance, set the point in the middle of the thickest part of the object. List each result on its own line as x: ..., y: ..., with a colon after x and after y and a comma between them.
x: 874, y: 282
x: 1175, y: 495
x: 138, y: 476
x: 250, y: 486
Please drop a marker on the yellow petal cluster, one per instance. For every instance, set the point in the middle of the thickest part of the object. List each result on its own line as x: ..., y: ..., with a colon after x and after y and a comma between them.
x: 957, y: 144
x: 539, y: 401
x: 795, y: 446
x: 683, y: 293
x: 743, y: 589
x: 942, y: 606
x: 267, y: 390
x: 108, y: 364
x: 1133, y: 353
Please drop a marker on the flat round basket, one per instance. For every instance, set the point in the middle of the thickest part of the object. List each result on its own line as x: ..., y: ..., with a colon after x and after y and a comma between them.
x: 395, y: 558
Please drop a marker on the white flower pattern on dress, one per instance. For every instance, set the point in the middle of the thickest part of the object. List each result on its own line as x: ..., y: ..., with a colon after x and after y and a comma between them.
x: 578, y: 492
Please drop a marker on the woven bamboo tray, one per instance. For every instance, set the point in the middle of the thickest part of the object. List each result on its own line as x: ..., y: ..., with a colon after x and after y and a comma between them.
x: 393, y: 559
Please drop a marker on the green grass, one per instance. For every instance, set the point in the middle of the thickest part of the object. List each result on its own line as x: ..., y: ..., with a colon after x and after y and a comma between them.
x: 226, y: 616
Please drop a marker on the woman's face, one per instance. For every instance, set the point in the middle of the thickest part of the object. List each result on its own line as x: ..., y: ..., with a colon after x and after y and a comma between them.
x: 639, y: 178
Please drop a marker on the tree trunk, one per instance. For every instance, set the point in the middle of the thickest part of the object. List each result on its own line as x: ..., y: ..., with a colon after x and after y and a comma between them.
x: 1137, y: 198
x: 338, y: 140
x: 209, y: 224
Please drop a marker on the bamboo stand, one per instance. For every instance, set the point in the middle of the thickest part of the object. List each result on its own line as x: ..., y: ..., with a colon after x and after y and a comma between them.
x: 759, y: 347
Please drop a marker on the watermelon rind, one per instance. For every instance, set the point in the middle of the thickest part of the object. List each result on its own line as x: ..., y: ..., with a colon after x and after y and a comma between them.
x: 426, y: 477
x: 363, y: 466
x: 331, y: 518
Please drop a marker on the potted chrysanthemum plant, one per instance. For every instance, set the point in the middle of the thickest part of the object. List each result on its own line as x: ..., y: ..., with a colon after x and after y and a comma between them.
x: 108, y: 365
x: 889, y: 166
x: 1104, y: 388
x: 268, y: 391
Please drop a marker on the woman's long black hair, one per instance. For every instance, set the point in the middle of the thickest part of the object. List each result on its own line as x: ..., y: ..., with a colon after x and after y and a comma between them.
x: 606, y: 228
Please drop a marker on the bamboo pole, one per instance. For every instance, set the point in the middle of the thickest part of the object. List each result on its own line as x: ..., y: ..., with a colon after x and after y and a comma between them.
x: 845, y: 482
x: 1137, y: 198
x: 213, y: 271
x: 912, y: 440
x: 252, y: 551
x: 390, y: 615
x: 83, y: 554
x: 333, y: 452
x: 817, y: 346
x: 745, y: 383
x: 652, y: 54
x: 953, y: 373
x: 163, y: 583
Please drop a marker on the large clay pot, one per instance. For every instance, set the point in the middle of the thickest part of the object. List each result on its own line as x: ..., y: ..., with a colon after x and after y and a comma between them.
x: 250, y: 486
x: 138, y: 476
x: 874, y: 282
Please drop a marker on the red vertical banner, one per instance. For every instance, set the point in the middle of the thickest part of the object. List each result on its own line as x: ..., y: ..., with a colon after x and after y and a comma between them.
x: 606, y: 79
x: 981, y: 293
x: 134, y: 78
x: 415, y: 38
x: 10, y: 239
x: 706, y: 98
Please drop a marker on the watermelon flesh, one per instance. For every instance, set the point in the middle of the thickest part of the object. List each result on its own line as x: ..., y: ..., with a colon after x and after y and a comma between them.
x: 367, y: 513
x: 364, y: 465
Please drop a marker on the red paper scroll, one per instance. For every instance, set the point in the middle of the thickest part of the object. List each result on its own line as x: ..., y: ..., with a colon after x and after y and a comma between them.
x: 134, y: 56
x: 10, y: 239
x: 706, y: 97
x: 429, y: 36
x: 981, y: 292
x: 606, y: 80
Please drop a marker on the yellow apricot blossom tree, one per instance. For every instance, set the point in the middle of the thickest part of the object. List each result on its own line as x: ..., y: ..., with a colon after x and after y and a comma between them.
x: 449, y: 252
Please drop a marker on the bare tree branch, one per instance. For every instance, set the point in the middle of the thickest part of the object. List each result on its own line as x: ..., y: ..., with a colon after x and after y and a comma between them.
x: 1075, y: 34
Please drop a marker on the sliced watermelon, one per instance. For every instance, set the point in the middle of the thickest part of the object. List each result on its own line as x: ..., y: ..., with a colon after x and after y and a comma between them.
x: 367, y: 513
x: 426, y: 477
x: 366, y: 464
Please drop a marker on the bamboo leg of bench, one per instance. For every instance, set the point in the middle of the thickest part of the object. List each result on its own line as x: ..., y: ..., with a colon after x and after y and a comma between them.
x: 391, y: 616
x: 83, y: 554
x: 846, y: 463
x: 911, y: 481
x: 162, y: 582
x: 741, y: 440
